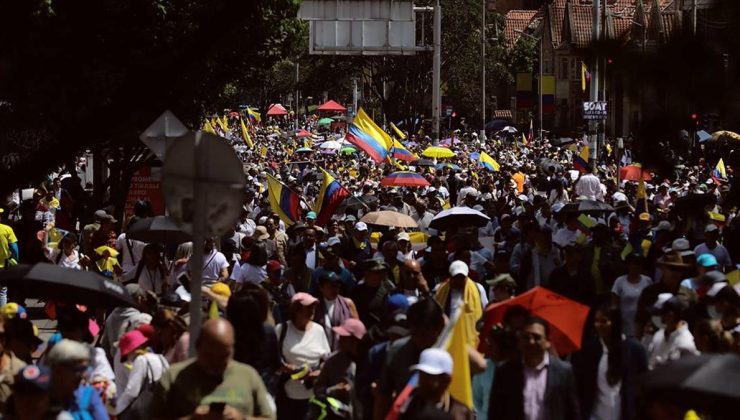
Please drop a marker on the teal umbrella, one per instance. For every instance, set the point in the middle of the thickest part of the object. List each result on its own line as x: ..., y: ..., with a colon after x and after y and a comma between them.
x: 325, y: 121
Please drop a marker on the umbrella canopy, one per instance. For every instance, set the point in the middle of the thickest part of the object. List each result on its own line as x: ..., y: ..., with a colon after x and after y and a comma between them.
x: 277, y: 109
x: 339, y: 118
x: 348, y: 150
x: 438, y: 152
x: 422, y: 162
x: 304, y: 150
x: 587, y: 206
x: 509, y: 129
x: 302, y: 133
x: 724, y: 135
x: 359, y: 202
x: 49, y: 281
x: 331, y: 145
x: 447, y: 165
x: 703, y: 136
x: 566, y: 317
x: 706, y: 383
x: 389, y: 218
x: 458, y: 217
x: 634, y: 172
x: 157, y: 229
x: 693, y: 203
x: 496, y: 125
x: 404, y: 179
x: 325, y: 121
x: 331, y: 105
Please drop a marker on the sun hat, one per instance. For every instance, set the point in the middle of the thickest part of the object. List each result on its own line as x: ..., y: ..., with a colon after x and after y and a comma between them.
x: 434, y: 361
x: 458, y: 267
x: 502, y: 280
x: 680, y: 245
x: 351, y: 328
x: 260, y: 233
x: 673, y: 259
x: 303, y: 298
x: 131, y: 341
x: 706, y: 260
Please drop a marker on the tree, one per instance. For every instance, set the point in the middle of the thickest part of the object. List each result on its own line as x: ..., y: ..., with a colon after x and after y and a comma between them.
x: 87, y: 74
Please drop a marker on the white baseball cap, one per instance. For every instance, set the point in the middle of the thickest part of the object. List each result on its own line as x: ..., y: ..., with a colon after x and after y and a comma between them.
x: 403, y: 236
x: 333, y: 241
x: 458, y: 267
x: 711, y: 228
x: 716, y: 287
x: 662, y: 298
x: 434, y: 361
x: 361, y: 226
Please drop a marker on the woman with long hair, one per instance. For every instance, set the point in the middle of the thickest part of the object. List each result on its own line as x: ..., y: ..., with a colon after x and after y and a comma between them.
x: 606, y: 369
x: 171, y: 336
x: 254, y: 269
x: 255, y: 340
x: 151, y: 273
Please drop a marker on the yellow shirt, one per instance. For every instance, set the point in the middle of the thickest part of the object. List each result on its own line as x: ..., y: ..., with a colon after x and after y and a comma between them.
x: 7, y: 237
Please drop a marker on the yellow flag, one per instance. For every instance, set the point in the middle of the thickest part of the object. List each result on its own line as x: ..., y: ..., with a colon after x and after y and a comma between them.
x: 524, y: 139
x: 245, y: 135
x: 398, y: 132
x: 583, y: 76
x: 461, y: 386
x: 224, y: 123
x: 208, y: 128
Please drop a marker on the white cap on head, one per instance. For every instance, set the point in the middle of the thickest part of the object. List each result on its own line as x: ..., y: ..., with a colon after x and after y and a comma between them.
x: 68, y: 351
x: 458, y: 267
x: 662, y: 298
x: 434, y: 361
x: 333, y: 241
x: 711, y: 228
x: 361, y: 226
x: 403, y: 236
x: 716, y: 287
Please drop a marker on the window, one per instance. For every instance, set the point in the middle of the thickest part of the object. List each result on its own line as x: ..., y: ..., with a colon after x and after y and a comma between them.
x: 564, y: 68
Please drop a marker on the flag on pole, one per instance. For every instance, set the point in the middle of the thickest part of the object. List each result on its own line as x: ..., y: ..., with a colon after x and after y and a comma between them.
x: 223, y: 123
x: 398, y: 132
x: 580, y: 160
x: 245, y: 135
x: 720, y: 173
x: 366, y: 135
x: 585, y: 75
x: 488, y: 162
x: 461, y: 385
x: 254, y: 115
x: 331, y: 195
x: 284, y: 201
x: 530, y: 134
x: 641, y: 206
x: 208, y: 128
x: 401, y: 153
x: 524, y: 140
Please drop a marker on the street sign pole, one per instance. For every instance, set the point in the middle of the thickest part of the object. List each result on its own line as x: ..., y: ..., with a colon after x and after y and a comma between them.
x: 594, y: 93
x: 436, y: 63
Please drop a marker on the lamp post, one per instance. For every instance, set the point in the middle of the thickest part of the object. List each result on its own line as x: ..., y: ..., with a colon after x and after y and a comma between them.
x: 483, y: 70
x: 539, y: 78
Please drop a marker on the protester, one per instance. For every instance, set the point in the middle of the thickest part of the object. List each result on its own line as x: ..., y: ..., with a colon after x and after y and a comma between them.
x: 145, y: 369
x: 68, y: 361
x: 211, y: 383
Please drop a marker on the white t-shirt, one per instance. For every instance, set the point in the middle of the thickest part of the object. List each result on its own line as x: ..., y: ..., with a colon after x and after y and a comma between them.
x: 128, y: 265
x: 608, y: 402
x: 213, y: 263
x: 71, y: 261
x: 146, y: 368
x: 628, y: 294
x: 249, y: 273
x: 299, y: 348
x: 152, y: 281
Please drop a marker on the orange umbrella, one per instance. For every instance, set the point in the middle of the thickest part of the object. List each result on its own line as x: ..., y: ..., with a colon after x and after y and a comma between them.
x: 634, y: 172
x: 566, y: 317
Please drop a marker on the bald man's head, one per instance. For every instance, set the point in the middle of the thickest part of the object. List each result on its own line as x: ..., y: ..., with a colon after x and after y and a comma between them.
x: 410, y: 274
x: 215, y: 346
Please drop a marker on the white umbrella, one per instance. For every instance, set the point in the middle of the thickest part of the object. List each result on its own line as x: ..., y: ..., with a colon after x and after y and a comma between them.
x: 331, y: 145
x: 509, y: 129
x: 458, y: 217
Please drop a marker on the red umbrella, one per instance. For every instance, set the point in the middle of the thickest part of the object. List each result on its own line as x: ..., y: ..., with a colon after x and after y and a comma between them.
x: 565, y: 317
x: 404, y: 179
x: 277, y: 109
x: 332, y: 106
x: 633, y: 173
x: 302, y: 133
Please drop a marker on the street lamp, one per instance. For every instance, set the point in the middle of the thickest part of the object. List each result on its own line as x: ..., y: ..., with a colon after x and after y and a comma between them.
x: 539, y: 79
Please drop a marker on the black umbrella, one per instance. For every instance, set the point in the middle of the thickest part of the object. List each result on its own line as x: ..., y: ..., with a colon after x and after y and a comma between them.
x: 359, y: 202
x: 707, y: 383
x: 422, y: 162
x: 587, y: 206
x: 460, y: 217
x: 693, y: 203
x: 52, y: 282
x: 157, y: 229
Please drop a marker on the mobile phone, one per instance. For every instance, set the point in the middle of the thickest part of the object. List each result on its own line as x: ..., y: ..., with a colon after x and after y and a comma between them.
x: 217, y: 407
x: 184, y: 280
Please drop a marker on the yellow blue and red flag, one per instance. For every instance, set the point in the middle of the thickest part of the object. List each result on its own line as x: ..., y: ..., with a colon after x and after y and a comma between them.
x: 401, y: 153
x: 284, y: 201
x: 254, y: 115
x: 719, y: 173
x: 331, y: 195
x: 488, y: 162
x: 366, y: 135
x: 580, y: 160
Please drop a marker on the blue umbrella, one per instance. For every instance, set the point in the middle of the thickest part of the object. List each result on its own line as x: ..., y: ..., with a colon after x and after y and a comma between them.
x: 703, y: 136
x: 447, y: 165
x: 475, y: 156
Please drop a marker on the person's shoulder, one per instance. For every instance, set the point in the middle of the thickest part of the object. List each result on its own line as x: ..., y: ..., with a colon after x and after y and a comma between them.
x: 397, y: 345
x: 242, y: 370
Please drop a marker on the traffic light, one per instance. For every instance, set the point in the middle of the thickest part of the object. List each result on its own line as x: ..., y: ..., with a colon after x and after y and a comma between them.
x: 695, y: 119
x: 609, y: 61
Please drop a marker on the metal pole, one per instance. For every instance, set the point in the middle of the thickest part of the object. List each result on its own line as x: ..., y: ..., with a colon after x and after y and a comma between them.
x: 539, y: 84
x: 436, y: 64
x: 354, y: 94
x: 483, y: 70
x: 297, y: 76
x: 693, y: 15
x: 199, y: 236
x: 594, y: 93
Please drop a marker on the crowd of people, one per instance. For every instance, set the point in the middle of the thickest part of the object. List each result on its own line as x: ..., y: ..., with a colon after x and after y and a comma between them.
x: 333, y: 320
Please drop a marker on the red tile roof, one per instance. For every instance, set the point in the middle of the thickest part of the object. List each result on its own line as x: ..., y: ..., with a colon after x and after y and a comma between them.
x: 580, y: 19
x: 556, y: 17
x: 516, y: 20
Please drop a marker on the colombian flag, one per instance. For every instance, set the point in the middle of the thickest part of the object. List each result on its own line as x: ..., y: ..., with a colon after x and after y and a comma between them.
x: 366, y: 135
x: 330, y: 197
x: 719, y: 173
x: 401, y: 153
x: 284, y: 201
x: 488, y: 162
x: 580, y: 161
x: 254, y: 115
